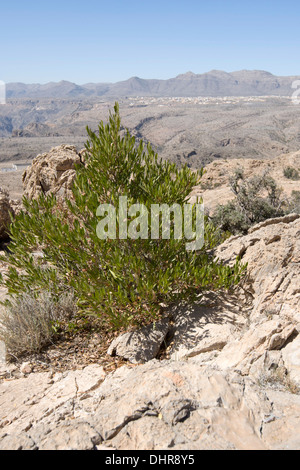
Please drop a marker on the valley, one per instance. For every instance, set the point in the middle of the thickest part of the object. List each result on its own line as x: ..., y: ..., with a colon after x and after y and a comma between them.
x: 193, y: 130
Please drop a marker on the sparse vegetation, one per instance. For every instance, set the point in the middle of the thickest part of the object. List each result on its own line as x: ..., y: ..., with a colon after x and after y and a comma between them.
x: 294, y: 202
x: 120, y: 282
x: 30, y: 322
x: 291, y: 173
x: 256, y: 199
x: 278, y: 379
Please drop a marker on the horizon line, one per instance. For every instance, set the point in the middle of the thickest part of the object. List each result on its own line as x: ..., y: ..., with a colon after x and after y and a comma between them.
x: 148, y: 79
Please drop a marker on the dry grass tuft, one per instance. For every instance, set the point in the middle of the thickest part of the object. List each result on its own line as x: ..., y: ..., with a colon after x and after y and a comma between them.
x: 28, y: 323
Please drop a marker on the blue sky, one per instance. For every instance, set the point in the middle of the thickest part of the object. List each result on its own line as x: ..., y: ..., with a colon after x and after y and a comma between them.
x: 108, y: 41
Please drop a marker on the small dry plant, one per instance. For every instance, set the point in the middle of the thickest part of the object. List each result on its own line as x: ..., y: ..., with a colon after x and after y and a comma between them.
x: 29, y: 322
x: 279, y: 379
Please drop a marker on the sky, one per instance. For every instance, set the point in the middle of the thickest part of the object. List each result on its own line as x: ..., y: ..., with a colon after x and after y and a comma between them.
x: 113, y: 40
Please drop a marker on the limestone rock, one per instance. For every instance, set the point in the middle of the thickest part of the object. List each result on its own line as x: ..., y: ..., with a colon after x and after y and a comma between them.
x: 243, y: 352
x: 272, y: 251
x: 229, y: 331
x: 142, y: 345
x: 291, y: 358
x: 6, y: 209
x: 206, y: 325
x: 281, y: 430
x: 52, y: 172
x: 153, y: 406
x: 38, y: 410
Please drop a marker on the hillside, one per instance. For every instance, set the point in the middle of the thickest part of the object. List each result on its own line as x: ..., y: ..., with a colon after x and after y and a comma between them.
x: 192, y: 130
x: 215, y: 189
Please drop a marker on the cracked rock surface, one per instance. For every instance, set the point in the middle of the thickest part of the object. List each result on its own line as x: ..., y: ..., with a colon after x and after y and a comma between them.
x: 175, y: 405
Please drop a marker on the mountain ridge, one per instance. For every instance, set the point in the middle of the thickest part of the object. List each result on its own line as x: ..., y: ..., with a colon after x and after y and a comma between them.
x: 213, y: 83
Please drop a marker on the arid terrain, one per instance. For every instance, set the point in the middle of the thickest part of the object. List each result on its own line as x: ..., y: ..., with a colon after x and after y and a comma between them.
x: 220, y: 372
x: 192, y: 130
x: 196, y: 131
x: 190, y: 118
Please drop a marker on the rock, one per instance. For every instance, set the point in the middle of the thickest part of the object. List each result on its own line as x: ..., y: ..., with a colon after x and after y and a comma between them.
x: 6, y: 209
x: 153, y: 406
x: 16, y: 442
x: 26, y: 368
x: 265, y: 368
x: 229, y: 331
x: 206, y: 325
x: 104, y: 447
x: 272, y: 251
x: 291, y: 358
x: 38, y: 410
x: 142, y: 345
x: 16, y: 205
x: 70, y: 436
x: 286, y: 219
x: 52, y: 172
x: 282, y: 431
x: 243, y: 352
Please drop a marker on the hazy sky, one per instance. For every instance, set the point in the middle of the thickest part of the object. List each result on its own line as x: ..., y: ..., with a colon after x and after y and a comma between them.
x: 107, y: 41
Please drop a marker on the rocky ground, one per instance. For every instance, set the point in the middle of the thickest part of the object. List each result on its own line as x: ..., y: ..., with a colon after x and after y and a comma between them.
x: 229, y: 377
x: 215, y: 189
x: 220, y: 373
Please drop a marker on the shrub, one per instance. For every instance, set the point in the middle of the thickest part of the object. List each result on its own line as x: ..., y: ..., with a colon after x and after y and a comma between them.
x: 293, y: 204
x: 29, y: 322
x: 230, y: 218
x: 121, y: 282
x: 291, y: 173
x: 256, y: 199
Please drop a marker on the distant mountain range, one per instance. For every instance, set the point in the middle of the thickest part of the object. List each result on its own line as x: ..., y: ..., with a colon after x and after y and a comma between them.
x: 214, y: 83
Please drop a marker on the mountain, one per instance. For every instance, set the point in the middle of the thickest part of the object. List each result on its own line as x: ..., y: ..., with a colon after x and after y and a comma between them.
x: 214, y: 83
x: 63, y: 89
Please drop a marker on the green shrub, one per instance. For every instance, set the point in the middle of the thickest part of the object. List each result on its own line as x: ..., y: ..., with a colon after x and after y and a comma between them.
x: 256, y: 199
x: 291, y: 173
x: 120, y: 282
x: 230, y: 218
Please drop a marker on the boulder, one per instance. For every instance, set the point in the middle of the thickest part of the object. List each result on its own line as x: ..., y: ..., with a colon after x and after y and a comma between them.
x: 6, y: 208
x: 51, y: 172
x: 142, y: 345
